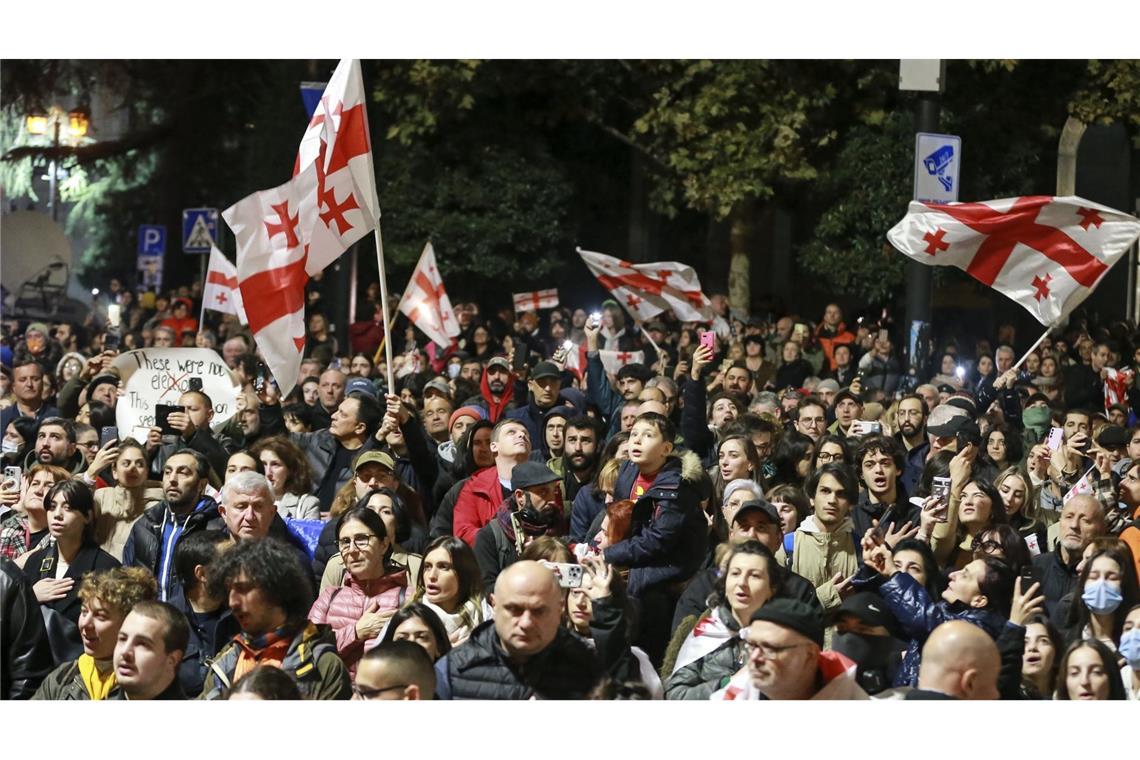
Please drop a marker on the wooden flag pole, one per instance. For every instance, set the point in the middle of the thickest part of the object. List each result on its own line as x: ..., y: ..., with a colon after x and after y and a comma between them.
x: 1032, y: 348
x: 384, y: 309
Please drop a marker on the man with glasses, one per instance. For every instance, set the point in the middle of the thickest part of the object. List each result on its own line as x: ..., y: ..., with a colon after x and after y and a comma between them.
x: 270, y: 598
x: 786, y: 658
x: 811, y: 418
x: 395, y: 670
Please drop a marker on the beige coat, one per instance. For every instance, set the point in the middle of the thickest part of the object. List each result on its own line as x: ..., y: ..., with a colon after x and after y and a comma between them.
x: 818, y: 556
x: 116, y: 510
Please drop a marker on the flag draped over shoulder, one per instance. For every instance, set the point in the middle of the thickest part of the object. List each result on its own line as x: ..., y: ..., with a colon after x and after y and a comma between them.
x: 425, y: 301
x: 221, y: 292
x: 646, y: 290
x: 290, y: 232
x: 1046, y: 253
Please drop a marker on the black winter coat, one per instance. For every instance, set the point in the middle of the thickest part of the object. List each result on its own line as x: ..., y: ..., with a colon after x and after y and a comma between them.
x: 64, y: 632
x: 480, y: 669
x: 668, y: 532
x: 23, y: 640
x: 144, y: 544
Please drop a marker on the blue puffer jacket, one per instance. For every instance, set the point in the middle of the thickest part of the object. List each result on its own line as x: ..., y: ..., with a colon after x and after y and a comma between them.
x: 669, y: 533
x: 919, y: 615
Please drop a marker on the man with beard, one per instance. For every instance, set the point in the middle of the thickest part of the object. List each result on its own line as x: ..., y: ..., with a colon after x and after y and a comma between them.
x: 185, y: 510
x: 911, y: 420
x: 579, y: 461
x: 545, y: 384
x: 55, y: 444
x: 533, y: 509
x: 497, y: 388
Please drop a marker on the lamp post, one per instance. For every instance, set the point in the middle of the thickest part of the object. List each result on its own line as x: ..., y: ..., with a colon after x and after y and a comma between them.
x: 72, y: 127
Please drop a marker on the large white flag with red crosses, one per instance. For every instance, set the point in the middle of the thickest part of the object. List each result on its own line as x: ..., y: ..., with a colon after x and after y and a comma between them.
x: 425, y: 301
x: 646, y: 290
x: 290, y: 232
x: 1046, y: 253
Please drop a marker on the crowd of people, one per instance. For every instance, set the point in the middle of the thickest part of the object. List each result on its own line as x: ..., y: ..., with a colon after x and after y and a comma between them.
x: 767, y: 507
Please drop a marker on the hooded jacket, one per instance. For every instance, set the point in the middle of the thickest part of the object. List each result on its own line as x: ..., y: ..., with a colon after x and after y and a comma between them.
x: 668, y: 533
x: 496, y: 409
x: 838, y: 675
x: 157, y: 533
x: 477, y: 503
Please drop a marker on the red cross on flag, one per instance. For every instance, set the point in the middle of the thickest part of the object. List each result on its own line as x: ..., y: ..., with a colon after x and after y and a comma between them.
x: 295, y: 230
x: 611, y: 360
x: 425, y: 301
x: 221, y: 292
x: 539, y: 299
x: 1046, y: 253
x: 646, y: 290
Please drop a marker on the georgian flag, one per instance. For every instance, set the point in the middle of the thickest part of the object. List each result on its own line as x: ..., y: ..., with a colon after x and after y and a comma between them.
x: 425, y: 301
x: 646, y: 290
x: 538, y: 299
x: 1116, y: 386
x: 290, y: 232
x: 709, y: 634
x: 611, y: 360
x: 1046, y: 253
x: 221, y: 291
x: 1086, y: 486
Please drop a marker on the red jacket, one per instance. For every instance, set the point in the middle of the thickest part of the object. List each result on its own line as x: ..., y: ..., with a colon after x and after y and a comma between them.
x: 477, y: 503
x: 341, y: 606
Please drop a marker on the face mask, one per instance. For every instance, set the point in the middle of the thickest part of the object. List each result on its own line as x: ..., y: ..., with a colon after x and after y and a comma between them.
x: 1130, y: 648
x: 1101, y: 597
x: 10, y: 447
x: 453, y: 370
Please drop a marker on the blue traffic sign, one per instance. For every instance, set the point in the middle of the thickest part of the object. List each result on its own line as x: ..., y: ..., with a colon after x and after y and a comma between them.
x: 937, y: 167
x: 152, y: 240
x: 199, y: 229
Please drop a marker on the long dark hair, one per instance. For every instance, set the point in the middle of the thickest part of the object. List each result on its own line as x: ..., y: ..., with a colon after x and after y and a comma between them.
x: 1108, y: 662
x: 464, y: 562
x: 1079, y: 613
x: 399, y: 509
x: 935, y: 580
x: 831, y: 438
x: 789, y: 452
x: 431, y: 620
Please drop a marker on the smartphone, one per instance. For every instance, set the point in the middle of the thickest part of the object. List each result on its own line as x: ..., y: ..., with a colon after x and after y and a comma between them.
x: 13, y: 478
x: 162, y: 414
x: 108, y: 434
x: 940, y: 487
x: 259, y: 378
x: 111, y: 340
x: 1028, y: 577
x: 596, y: 319
x: 872, y: 427
x: 518, y: 360
x: 114, y: 315
x: 708, y: 339
x: 883, y: 336
x: 569, y: 576
x: 1055, y: 439
x: 194, y: 384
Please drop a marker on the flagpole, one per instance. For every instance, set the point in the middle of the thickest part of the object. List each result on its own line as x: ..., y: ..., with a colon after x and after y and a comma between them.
x: 384, y: 308
x: 1032, y: 348
x: 656, y: 348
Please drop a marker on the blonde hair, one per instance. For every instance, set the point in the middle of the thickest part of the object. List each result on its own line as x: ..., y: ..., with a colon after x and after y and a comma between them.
x: 607, y: 476
x: 120, y: 588
x: 1029, y: 508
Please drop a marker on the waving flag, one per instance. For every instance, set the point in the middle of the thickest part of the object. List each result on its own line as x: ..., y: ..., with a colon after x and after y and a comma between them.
x: 1116, y: 385
x: 539, y: 299
x: 295, y: 230
x: 1046, y: 253
x: 646, y: 290
x: 425, y: 301
x: 221, y: 292
x: 611, y: 360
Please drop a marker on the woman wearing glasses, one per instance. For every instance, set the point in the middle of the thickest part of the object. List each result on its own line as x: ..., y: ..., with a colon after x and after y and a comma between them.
x: 830, y: 448
x: 373, y: 589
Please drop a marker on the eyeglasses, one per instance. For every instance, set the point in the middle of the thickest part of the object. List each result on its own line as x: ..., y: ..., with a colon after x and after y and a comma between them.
x: 361, y: 540
x: 360, y: 693
x: 826, y: 456
x: 986, y: 547
x: 770, y: 651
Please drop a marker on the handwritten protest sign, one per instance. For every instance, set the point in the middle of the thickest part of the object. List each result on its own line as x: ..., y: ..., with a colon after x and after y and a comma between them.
x: 161, y: 375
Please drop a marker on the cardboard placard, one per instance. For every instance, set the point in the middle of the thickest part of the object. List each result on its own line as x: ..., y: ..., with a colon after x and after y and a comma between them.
x: 161, y: 375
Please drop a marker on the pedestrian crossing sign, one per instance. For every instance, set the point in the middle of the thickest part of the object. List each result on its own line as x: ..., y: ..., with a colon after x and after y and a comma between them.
x: 199, y: 229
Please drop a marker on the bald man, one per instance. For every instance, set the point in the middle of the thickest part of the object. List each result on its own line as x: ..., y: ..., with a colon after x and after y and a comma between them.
x: 524, y: 652
x: 959, y: 661
x: 395, y: 670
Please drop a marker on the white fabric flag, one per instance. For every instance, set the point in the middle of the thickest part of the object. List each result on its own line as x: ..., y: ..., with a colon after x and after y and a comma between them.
x: 1046, y: 253
x: 425, y: 301
x: 221, y: 291
x: 646, y: 290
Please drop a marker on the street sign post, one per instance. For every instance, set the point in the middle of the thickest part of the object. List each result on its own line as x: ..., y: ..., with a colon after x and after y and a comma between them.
x: 937, y: 167
x: 152, y: 240
x: 199, y: 230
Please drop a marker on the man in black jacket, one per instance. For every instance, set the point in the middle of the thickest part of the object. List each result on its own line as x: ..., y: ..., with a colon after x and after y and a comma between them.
x: 525, y: 651
x: 185, y: 510
x: 23, y: 639
x: 1082, y: 519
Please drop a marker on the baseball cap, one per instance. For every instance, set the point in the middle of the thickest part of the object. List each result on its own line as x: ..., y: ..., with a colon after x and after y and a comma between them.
x: 440, y: 386
x: 378, y: 457
x: 758, y: 505
x: 946, y: 420
x: 529, y: 474
x: 793, y: 614
x: 868, y: 608
x: 845, y: 394
x: 499, y: 361
x: 360, y: 385
x: 545, y: 369
x: 1112, y: 437
x: 963, y: 401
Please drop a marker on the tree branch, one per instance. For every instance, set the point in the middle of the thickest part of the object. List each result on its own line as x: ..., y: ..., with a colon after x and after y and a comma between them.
x: 96, y: 150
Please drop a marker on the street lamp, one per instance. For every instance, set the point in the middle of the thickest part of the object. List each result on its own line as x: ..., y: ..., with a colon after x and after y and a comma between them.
x: 71, y: 126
